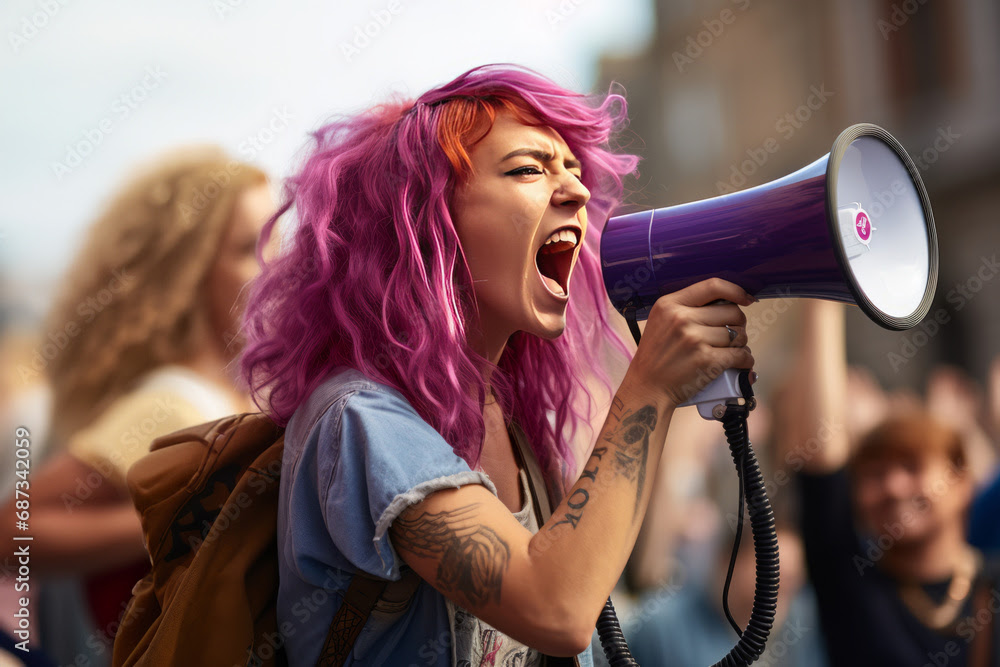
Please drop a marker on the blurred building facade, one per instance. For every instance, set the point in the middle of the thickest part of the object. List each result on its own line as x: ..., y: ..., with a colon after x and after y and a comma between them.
x: 734, y: 93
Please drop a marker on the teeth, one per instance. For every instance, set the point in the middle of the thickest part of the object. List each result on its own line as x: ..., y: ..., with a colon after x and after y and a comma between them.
x: 568, y: 235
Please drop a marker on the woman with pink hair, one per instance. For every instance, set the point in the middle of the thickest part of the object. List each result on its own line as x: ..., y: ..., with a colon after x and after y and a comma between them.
x: 440, y: 299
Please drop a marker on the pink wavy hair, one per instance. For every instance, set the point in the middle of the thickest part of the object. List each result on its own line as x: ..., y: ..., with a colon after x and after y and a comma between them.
x: 375, y: 278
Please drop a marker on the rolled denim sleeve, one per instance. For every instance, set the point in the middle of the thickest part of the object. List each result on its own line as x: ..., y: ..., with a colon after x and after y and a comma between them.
x: 383, y: 457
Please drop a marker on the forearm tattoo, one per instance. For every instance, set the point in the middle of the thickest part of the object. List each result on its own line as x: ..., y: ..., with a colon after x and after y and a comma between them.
x: 579, y: 498
x: 632, y: 437
x: 629, y: 449
x: 471, y: 557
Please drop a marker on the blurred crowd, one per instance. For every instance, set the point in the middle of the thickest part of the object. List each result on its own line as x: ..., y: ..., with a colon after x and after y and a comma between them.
x: 887, y: 503
x: 139, y: 343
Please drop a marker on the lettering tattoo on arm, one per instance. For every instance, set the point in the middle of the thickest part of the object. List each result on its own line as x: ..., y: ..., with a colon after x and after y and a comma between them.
x: 472, y: 558
x: 630, y: 449
x: 581, y: 496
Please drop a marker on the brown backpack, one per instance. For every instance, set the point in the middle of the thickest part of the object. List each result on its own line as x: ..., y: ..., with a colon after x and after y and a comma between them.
x: 208, y: 500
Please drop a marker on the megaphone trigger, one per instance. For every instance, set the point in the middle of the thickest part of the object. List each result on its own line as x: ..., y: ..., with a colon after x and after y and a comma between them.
x: 724, y: 391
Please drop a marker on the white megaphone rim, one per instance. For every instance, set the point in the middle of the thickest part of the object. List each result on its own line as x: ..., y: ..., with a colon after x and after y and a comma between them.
x: 840, y: 146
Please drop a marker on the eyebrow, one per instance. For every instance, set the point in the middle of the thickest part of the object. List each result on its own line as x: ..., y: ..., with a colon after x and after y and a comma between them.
x: 541, y: 156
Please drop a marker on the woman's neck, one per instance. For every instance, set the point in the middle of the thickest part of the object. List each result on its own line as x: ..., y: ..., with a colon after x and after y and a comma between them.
x: 490, y: 348
x: 488, y: 340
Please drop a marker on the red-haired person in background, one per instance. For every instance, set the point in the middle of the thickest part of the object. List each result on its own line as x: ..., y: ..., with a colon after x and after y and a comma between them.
x: 884, y: 521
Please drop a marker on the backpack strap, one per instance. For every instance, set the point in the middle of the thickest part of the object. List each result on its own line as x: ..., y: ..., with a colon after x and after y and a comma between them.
x: 536, y: 480
x: 359, y: 600
x: 543, y: 508
x: 362, y: 596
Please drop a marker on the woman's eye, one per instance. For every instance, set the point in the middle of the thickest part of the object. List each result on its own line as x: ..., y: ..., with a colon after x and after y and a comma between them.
x: 525, y: 171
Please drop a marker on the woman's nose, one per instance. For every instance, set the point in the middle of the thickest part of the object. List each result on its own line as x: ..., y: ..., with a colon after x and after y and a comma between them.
x: 571, y: 193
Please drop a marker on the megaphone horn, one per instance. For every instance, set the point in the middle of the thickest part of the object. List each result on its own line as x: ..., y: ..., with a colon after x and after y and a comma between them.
x: 854, y: 226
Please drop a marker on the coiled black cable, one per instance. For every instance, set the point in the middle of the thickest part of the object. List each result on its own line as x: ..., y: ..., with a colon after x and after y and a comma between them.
x: 612, y: 640
x: 765, y: 541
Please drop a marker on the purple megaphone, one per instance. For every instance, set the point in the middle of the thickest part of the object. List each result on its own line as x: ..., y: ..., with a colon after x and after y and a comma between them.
x: 854, y: 226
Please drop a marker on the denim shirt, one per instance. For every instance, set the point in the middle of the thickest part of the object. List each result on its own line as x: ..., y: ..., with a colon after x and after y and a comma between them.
x: 356, y: 455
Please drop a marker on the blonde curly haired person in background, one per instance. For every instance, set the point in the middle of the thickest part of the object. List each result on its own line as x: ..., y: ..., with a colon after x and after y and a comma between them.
x: 138, y: 345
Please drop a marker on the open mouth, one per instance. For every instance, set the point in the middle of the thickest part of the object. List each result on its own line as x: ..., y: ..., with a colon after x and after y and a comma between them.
x: 555, y: 260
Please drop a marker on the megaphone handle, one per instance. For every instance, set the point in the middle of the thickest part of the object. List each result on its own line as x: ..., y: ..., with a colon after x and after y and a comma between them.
x: 728, y: 398
x: 729, y: 388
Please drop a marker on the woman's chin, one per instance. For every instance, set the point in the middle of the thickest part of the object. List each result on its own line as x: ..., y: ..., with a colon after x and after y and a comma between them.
x: 548, y: 327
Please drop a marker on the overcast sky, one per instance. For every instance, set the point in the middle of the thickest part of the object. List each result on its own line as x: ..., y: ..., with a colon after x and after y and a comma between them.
x: 127, y: 80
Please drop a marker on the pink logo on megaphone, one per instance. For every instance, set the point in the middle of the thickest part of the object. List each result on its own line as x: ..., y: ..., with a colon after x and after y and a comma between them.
x: 863, y: 226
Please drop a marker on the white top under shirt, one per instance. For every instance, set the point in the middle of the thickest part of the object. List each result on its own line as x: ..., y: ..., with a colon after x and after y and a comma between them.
x: 478, y: 644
